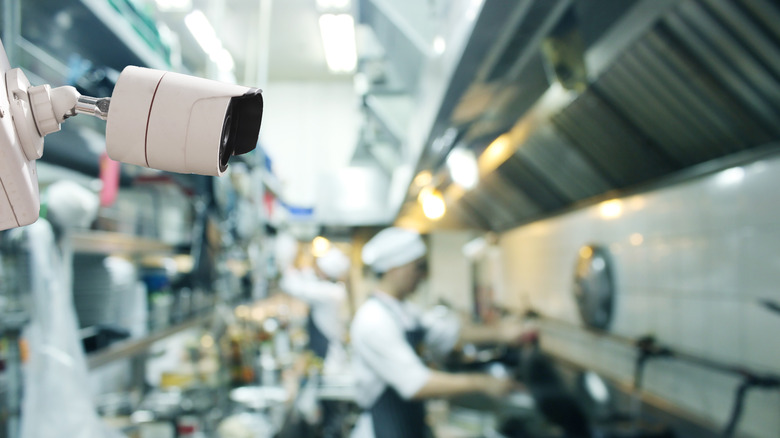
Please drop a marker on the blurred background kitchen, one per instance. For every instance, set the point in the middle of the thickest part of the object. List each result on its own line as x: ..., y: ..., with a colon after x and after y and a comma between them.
x: 607, y: 169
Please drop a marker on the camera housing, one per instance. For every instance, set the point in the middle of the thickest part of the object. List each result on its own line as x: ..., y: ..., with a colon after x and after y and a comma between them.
x: 19, y: 201
x: 180, y: 123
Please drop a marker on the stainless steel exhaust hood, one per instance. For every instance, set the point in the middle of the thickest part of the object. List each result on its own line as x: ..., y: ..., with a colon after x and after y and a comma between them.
x: 591, y: 96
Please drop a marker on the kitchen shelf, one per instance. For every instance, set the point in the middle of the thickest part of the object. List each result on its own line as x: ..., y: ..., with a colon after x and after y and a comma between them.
x: 111, y: 19
x: 103, y: 242
x: 91, y: 29
x: 134, y: 347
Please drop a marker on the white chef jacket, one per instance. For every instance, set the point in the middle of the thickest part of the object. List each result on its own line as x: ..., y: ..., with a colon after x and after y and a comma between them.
x: 325, y: 300
x: 382, y: 356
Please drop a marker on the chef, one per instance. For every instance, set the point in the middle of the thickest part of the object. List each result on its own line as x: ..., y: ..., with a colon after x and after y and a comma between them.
x: 322, y: 289
x: 388, y: 334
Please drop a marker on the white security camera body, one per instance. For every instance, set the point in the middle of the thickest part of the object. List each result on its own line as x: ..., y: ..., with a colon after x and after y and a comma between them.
x: 156, y: 119
x: 19, y: 201
x: 180, y: 123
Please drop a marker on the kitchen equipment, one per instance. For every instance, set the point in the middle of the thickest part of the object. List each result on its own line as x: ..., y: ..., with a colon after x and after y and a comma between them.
x: 552, y: 398
x: 259, y: 397
x: 575, y: 415
x: 101, y: 336
x: 593, y: 286
x: 245, y: 425
x: 267, y: 403
x: 99, y: 283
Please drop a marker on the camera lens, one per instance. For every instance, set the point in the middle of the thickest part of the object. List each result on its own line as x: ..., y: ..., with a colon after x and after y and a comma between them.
x: 241, y: 126
x: 226, y: 129
x: 225, y: 149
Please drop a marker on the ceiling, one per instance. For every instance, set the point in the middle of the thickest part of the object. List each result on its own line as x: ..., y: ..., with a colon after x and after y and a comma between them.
x: 286, y: 41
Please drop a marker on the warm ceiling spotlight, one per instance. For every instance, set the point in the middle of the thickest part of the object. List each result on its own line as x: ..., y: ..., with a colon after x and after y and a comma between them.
x: 432, y: 202
x: 319, y: 246
x: 611, y: 209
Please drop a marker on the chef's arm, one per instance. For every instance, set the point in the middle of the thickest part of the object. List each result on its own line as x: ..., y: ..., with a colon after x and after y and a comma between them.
x: 504, y: 332
x: 442, y: 384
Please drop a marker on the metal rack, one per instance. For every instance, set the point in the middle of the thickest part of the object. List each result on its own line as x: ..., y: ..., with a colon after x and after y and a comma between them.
x: 97, y: 28
x: 131, y: 348
x: 103, y: 242
x: 104, y: 15
x: 648, y: 348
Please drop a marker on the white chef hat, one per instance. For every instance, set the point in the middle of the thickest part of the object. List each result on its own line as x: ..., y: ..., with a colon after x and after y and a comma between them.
x: 333, y: 263
x: 72, y: 205
x: 285, y: 250
x: 393, y: 247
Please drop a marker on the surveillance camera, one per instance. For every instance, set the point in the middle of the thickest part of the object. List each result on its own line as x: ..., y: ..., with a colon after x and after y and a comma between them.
x: 157, y: 119
x: 179, y: 123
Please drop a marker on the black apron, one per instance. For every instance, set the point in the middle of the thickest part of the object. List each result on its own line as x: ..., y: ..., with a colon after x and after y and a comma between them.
x: 318, y: 342
x: 394, y: 417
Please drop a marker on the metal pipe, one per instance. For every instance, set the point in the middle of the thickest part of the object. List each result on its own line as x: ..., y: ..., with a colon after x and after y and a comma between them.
x: 93, y: 106
x: 739, y: 400
x: 648, y: 345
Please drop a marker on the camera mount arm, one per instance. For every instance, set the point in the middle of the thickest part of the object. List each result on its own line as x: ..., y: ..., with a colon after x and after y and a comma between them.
x: 93, y: 106
x: 38, y: 111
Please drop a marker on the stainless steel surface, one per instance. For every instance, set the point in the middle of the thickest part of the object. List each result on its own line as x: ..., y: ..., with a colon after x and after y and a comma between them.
x: 336, y: 387
x: 93, y: 106
x: 594, y: 288
x: 259, y: 397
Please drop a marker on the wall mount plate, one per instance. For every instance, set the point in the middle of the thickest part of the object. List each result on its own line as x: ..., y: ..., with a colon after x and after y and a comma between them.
x: 19, y: 199
x: 594, y: 288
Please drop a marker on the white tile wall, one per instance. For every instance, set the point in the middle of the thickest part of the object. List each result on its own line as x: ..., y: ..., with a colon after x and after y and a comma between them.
x: 718, y: 392
x: 763, y: 327
x: 761, y: 260
x: 724, y: 329
x: 710, y: 249
x: 450, y: 272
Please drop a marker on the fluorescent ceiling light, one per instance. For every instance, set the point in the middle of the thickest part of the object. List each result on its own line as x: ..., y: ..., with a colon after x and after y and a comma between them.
x: 326, y: 5
x: 338, y: 39
x: 732, y: 176
x: 223, y: 59
x: 439, y: 45
x: 207, y: 38
x: 204, y: 33
x: 463, y: 167
x: 173, y: 5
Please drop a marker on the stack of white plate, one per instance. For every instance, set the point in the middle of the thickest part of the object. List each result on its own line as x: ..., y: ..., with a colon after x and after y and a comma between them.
x: 101, y: 286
